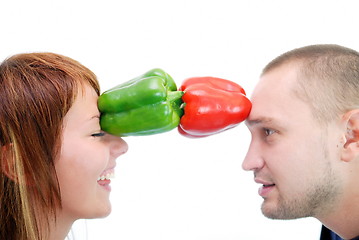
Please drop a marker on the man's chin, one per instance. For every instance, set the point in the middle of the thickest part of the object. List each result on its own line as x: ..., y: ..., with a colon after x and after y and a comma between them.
x: 274, y: 212
x: 281, y: 213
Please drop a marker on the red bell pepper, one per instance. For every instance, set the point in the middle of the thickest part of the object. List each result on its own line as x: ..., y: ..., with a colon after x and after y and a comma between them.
x: 212, y: 105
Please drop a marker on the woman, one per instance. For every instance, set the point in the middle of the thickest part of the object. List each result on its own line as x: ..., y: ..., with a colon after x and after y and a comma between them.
x: 55, y: 161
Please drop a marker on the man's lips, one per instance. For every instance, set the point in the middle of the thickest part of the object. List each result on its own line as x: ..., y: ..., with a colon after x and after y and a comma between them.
x: 263, y: 182
x: 266, y: 187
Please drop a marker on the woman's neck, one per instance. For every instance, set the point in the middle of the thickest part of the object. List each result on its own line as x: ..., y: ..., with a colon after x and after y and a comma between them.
x: 58, y: 229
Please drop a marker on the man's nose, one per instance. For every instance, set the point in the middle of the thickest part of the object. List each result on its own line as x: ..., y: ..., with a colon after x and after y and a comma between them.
x: 253, y: 159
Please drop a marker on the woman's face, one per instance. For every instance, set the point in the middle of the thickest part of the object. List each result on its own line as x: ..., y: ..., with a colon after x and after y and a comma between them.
x: 87, y: 160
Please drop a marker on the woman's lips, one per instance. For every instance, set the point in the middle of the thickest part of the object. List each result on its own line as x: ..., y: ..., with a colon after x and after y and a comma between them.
x: 107, y: 176
x: 105, y: 179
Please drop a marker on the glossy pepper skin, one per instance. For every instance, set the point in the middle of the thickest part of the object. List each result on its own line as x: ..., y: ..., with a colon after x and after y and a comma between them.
x: 212, y: 105
x: 148, y: 104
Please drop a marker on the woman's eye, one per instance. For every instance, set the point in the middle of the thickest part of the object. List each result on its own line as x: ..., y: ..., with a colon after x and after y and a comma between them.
x: 99, y: 134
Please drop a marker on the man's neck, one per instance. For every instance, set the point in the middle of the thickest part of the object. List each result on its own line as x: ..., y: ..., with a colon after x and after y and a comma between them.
x: 344, y: 218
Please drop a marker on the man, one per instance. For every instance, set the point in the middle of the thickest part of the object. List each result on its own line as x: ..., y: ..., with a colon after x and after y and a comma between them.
x: 305, y: 138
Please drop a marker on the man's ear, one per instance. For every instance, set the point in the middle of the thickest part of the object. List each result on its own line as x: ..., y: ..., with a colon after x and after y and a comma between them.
x: 351, y: 142
x: 7, y: 161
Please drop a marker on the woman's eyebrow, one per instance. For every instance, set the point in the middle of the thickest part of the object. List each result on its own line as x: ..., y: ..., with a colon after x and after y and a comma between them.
x: 96, y: 116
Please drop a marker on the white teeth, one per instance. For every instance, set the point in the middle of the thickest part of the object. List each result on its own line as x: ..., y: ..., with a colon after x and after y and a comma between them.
x: 108, y: 176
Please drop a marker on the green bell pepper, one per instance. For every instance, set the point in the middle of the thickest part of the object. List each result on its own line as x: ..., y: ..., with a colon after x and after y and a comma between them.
x: 145, y: 105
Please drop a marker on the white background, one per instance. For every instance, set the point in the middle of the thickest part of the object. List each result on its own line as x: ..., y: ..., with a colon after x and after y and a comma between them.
x: 169, y: 187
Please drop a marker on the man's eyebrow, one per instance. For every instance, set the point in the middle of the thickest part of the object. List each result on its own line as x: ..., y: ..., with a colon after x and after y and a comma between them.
x: 260, y: 120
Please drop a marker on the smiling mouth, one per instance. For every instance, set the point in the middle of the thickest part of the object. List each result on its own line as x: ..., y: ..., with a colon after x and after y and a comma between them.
x: 105, y: 179
x: 108, y: 175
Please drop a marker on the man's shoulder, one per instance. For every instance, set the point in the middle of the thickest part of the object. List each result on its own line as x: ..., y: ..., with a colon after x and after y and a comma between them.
x: 327, y: 234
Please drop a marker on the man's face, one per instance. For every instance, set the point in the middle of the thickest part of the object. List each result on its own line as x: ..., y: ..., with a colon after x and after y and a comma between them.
x: 291, y: 155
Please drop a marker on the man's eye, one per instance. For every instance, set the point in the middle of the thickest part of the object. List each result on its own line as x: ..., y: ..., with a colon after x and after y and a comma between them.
x: 99, y: 134
x: 268, y: 131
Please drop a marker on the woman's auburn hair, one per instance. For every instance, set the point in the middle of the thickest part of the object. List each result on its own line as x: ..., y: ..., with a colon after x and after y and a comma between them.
x: 36, y: 92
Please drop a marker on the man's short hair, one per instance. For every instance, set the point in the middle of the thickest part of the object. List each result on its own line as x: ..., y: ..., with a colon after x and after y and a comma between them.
x: 328, y: 78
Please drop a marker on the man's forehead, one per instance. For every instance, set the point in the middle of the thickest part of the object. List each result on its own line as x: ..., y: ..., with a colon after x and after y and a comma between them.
x: 287, y: 72
x: 276, y: 87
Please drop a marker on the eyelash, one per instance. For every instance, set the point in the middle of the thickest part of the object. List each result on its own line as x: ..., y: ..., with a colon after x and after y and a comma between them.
x: 99, y: 134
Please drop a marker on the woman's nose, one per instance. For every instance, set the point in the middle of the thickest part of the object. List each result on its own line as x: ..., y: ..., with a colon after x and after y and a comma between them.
x: 118, y: 146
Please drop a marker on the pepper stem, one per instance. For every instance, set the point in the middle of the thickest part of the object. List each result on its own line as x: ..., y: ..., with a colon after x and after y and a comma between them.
x: 174, y: 95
